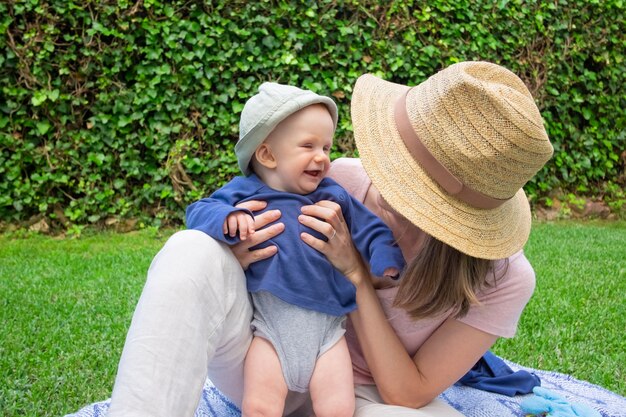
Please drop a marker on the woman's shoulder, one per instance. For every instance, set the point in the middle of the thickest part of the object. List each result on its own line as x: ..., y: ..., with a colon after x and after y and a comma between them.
x: 350, y: 174
x: 501, y: 303
x: 515, y: 271
x: 512, y: 278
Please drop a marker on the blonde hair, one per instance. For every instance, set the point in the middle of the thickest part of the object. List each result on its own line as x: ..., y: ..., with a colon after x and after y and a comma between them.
x: 440, y: 279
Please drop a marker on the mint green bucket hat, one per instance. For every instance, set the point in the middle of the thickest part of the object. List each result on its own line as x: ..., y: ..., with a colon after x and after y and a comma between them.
x: 265, y: 110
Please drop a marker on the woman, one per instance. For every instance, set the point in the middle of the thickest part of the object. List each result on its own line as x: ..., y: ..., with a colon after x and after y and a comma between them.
x: 447, y: 160
x: 449, y: 157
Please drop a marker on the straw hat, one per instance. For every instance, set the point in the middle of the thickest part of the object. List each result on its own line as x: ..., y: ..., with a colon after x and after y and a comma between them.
x: 453, y: 153
x: 265, y: 110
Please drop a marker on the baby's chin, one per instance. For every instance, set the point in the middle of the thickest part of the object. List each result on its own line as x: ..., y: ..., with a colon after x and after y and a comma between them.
x: 305, y: 188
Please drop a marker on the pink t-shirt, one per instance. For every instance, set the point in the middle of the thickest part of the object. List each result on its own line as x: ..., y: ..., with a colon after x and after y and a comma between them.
x: 499, y: 309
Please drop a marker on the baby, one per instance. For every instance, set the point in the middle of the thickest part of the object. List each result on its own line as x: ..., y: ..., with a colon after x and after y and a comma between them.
x: 300, y: 301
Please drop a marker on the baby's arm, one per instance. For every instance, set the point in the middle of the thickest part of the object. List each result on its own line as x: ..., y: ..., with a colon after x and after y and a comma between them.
x: 211, y: 215
x: 375, y: 242
x: 239, y: 221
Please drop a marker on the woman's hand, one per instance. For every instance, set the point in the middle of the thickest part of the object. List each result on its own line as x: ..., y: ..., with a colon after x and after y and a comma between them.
x: 326, y: 218
x: 242, y: 249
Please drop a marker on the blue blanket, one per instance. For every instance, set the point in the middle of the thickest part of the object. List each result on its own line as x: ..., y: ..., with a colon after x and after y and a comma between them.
x: 469, y: 401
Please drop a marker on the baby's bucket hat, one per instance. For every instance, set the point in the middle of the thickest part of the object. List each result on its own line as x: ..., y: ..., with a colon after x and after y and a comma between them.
x: 265, y: 110
x: 453, y: 153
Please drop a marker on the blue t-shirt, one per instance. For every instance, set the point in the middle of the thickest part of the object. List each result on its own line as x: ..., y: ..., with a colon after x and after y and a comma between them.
x: 299, y: 274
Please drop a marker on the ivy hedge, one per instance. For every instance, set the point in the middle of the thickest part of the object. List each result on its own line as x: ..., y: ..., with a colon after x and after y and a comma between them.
x: 115, y: 110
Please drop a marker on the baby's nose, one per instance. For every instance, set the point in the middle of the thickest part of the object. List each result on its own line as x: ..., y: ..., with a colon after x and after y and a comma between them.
x: 321, y: 156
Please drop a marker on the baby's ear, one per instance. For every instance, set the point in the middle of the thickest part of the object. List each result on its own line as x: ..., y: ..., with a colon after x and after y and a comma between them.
x: 265, y: 156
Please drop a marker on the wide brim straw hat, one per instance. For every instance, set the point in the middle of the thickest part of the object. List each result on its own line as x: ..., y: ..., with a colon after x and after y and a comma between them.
x: 452, y: 154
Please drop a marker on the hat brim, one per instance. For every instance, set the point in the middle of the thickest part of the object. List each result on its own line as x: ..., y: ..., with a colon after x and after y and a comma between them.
x: 290, y: 104
x: 482, y: 233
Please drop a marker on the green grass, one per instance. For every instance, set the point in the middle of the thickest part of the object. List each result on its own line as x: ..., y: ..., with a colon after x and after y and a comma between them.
x: 66, y: 305
x: 65, y: 308
x: 576, y: 320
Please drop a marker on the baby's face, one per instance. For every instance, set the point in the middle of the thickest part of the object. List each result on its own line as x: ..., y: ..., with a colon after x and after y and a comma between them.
x: 301, y: 145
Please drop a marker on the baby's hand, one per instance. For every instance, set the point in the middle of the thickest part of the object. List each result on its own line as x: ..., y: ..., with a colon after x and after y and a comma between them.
x: 239, y: 221
x: 388, y: 280
x: 392, y: 273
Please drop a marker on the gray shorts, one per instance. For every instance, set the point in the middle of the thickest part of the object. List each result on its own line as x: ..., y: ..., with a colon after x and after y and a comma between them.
x: 299, y: 336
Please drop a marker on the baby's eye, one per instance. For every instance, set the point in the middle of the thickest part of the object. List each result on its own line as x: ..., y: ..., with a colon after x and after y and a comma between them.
x: 307, y: 145
x: 326, y: 148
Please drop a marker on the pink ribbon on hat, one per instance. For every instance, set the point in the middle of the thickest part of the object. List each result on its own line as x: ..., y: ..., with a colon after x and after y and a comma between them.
x: 434, y: 168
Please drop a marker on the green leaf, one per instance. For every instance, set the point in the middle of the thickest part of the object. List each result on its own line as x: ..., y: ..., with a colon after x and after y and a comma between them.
x: 38, y: 98
x: 126, y: 80
x: 124, y: 120
x: 552, y: 91
x: 53, y: 95
x: 43, y: 127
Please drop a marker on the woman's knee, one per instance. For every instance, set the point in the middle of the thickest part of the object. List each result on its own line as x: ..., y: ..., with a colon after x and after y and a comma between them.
x: 200, y: 247
x: 191, y: 253
x: 193, y: 266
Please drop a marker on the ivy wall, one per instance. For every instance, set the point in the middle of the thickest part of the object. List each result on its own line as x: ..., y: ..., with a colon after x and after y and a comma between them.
x: 114, y: 110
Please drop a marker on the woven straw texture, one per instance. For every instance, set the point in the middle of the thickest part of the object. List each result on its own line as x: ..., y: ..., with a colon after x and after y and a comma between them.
x: 480, y: 122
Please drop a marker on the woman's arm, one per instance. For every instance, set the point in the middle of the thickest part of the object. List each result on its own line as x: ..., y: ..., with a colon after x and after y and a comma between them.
x: 441, y: 361
x: 401, y: 379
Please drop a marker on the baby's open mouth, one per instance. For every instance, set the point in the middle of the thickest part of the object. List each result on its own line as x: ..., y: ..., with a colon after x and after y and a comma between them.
x: 315, y: 173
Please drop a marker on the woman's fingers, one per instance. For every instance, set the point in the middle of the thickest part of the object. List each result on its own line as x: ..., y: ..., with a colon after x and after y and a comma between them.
x: 252, y: 205
x: 260, y: 254
x: 263, y: 235
x: 326, y: 210
x: 314, y: 242
x: 242, y: 251
x: 260, y: 232
x: 326, y: 218
x: 263, y: 219
x: 321, y: 226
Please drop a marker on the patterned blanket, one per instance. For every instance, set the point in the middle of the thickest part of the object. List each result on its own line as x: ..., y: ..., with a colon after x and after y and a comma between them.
x: 469, y: 401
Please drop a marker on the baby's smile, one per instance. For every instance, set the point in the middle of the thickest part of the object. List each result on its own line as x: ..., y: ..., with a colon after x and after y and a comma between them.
x: 314, y: 173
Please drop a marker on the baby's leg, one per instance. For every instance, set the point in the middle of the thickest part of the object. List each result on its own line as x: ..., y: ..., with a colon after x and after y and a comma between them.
x: 332, y: 389
x: 264, y: 386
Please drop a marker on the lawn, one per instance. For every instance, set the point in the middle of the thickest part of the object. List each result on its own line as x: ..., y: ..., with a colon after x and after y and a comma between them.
x: 66, y: 305
x: 576, y: 319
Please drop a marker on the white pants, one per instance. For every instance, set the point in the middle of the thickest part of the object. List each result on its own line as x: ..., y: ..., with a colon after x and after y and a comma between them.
x: 193, y: 321
x: 370, y: 404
